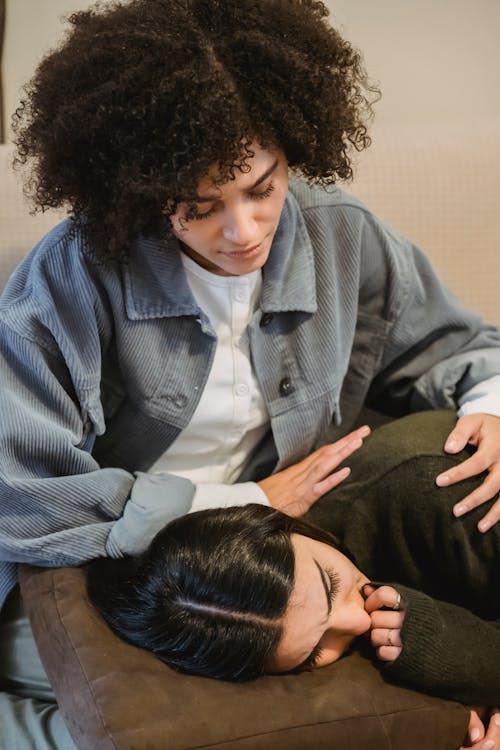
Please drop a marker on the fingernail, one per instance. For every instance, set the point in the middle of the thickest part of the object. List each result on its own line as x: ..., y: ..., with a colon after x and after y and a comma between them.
x: 488, y: 745
x: 496, y: 719
x: 459, y: 510
x: 485, y: 524
x: 474, y: 734
x: 450, y: 445
x: 442, y: 480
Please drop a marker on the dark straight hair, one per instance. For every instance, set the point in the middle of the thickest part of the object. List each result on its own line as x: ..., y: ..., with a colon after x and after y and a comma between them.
x: 209, y: 594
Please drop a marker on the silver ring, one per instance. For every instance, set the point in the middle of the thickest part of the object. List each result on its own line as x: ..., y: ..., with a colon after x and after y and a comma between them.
x: 397, y: 606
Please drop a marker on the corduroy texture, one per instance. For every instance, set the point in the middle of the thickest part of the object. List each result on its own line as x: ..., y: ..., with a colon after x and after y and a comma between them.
x: 116, y: 697
x: 355, y: 310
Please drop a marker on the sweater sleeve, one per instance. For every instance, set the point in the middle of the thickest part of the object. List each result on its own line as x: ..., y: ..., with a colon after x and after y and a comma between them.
x: 448, y: 651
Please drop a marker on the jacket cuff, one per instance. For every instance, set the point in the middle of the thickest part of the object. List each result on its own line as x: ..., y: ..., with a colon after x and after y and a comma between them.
x: 482, y: 398
x: 155, y: 500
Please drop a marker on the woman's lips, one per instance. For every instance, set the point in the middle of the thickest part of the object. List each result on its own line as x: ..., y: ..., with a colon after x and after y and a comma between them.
x: 237, y: 254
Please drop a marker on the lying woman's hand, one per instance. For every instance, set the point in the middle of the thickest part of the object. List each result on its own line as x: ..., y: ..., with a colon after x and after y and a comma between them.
x: 385, y: 633
x: 476, y: 736
x: 296, y: 488
x: 482, y: 431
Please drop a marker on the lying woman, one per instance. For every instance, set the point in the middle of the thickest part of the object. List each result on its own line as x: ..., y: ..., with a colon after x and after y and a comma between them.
x: 245, y: 591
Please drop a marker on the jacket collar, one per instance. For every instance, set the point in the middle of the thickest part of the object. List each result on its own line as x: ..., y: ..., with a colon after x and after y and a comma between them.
x: 156, y: 285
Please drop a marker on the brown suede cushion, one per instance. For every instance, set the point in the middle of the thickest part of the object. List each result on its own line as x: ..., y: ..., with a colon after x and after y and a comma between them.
x: 117, y: 697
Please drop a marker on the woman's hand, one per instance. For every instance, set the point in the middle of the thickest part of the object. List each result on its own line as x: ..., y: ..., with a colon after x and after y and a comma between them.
x: 476, y: 736
x: 385, y: 634
x: 482, y: 431
x: 296, y: 488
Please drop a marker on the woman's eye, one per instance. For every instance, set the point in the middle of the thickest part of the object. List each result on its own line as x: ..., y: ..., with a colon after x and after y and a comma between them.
x: 192, y: 213
x: 315, y: 657
x: 334, y: 579
x: 264, y: 194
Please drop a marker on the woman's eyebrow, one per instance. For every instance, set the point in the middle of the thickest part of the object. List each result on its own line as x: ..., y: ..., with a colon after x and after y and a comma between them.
x: 258, y: 181
x: 265, y: 175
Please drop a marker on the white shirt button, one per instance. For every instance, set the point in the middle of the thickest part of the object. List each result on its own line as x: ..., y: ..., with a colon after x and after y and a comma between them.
x: 242, y: 389
x: 240, y: 294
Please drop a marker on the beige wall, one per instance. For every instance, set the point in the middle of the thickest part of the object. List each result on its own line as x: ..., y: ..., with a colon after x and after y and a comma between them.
x: 439, y: 56
x: 32, y: 27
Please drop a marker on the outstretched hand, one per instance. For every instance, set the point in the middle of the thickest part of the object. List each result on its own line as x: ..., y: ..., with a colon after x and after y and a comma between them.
x: 482, y: 431
x: 296, y: 488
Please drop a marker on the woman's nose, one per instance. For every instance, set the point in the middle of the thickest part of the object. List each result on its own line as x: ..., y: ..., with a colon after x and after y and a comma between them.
x: 239, y: 226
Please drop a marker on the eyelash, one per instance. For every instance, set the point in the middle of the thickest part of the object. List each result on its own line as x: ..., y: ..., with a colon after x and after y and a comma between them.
x: 255, y: 196
x: 317, y: 651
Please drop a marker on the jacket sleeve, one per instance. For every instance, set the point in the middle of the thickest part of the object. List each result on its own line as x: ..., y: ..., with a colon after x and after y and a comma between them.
x: 448, y: 651
x: 58, y: 506
x: 435, y: 350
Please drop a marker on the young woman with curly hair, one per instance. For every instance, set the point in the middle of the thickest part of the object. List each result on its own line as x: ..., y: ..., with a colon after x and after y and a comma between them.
x: 203, y: 330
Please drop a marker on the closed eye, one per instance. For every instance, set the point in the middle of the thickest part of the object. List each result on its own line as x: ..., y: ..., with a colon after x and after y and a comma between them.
x: 193, y: 213
x: 264, y: 194
x: 312, y: 661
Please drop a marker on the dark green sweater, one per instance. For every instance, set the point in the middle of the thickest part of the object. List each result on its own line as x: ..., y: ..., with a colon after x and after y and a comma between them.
x: 398, y: 527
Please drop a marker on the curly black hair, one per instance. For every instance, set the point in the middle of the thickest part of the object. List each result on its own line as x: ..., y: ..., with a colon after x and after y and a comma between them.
x: 142, y: 97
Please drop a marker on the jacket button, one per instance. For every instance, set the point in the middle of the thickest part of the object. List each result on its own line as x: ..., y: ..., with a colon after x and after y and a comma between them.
x: 266, y: 319
x: 286, y: 387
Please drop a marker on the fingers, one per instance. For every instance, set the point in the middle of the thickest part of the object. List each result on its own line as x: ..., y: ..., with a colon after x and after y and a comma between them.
x: 483, y: 431
x: 320, y: 465
x: 381, y: 637
x: 294, y: 489
x: 360, y: 432
x: 491, y: 740
x: 386, y: 622
x: 388, y: 653
x: 333, y: 454
x: 491, y: 518
x: 482, y: 494
x: 321, y: 488
x: 465, y: 429
x: 383, y: 596
x: 472, y: 466
x: 475, y: 731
